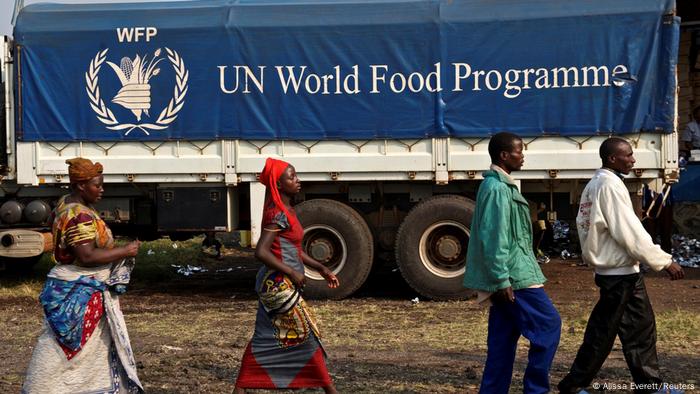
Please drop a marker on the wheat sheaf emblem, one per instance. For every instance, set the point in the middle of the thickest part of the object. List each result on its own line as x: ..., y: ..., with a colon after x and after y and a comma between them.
x: 135, y: 94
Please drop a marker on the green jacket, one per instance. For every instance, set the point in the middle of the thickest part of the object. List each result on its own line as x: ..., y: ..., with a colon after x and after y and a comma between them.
x: 500, y: 244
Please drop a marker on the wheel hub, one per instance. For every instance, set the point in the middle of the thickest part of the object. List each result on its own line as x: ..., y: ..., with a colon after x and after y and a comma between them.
x: 321, y: 250
x: 325, y: 245
x: 448, y: 247
x: 443, y: 248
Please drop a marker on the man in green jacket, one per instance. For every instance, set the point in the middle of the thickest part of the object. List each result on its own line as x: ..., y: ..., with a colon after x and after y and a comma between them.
x: 502, y: 267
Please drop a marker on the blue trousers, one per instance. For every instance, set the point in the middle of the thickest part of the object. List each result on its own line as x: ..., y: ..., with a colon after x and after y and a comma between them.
x: 533, y: 316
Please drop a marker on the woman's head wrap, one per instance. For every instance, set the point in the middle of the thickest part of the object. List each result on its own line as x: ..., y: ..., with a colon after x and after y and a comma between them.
x: 82, y: 170
x: 269, y: 176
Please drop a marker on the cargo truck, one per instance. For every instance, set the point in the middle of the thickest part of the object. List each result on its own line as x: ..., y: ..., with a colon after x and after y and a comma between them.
x: 385, y: 108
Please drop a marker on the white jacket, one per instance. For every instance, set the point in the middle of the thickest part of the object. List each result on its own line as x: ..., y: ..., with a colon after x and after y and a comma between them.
x: 613, y: 239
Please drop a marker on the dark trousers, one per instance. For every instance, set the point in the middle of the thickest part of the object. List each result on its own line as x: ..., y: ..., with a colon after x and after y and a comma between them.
x: 623, y: 309
x: 533, y: 316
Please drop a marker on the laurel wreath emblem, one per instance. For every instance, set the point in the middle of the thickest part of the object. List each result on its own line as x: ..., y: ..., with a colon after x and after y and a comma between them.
x: 167, y: 115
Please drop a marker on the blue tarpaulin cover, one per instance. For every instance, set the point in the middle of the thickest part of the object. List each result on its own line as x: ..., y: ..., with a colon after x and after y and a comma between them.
x: 688, y: 185
x: 351, y: 69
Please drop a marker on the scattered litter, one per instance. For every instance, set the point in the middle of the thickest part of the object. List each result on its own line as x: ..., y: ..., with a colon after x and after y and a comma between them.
x: 415, y: 301
x: 561, y: 246
x: 395, y: 270
x: 565, y: 254
x: 230, y: 269
x: 686, y: 251
x: 174, y: 246
x: 560, y: 229
x: 150, y: 252
x: 166, y: 347
x: 119, y: 289
x: 543, y: 259
x: 188, y: 270
x: 233, y: 296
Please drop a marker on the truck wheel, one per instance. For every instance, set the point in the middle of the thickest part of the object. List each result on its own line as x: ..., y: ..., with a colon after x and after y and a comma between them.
x: 338, y: 237
x: 431, y: 246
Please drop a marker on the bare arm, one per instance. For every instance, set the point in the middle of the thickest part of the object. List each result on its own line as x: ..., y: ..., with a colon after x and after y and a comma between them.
x: 675, y: 271
x: 90, y: 256
x: 322, y: 269
x: 309, y: 261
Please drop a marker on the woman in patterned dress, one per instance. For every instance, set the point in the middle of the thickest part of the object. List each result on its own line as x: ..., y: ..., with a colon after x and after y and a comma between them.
x: 285, y: 351
x: 84, y: 346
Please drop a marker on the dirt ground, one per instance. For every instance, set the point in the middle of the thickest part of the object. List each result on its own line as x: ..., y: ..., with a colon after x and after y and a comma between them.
x: 189, y: 333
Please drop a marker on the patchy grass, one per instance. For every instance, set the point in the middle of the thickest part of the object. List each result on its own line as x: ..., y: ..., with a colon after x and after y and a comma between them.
x: 675, y: 328
x: 194, y: 343
x: 20, y: 288
x: 448, y: 326
x: 155, y: 259
x: 190, y: 332
x: 679, y: 329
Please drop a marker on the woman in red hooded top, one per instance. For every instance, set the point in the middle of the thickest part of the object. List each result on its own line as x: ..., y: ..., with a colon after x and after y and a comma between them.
x: 285, y: 351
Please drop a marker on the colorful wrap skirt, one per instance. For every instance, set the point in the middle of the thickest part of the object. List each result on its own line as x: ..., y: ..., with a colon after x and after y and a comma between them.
x: 285, y: 351
x: 84, y: 346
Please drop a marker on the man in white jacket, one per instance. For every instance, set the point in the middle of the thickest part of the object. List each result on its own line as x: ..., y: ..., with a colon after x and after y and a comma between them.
x: 614, y: 241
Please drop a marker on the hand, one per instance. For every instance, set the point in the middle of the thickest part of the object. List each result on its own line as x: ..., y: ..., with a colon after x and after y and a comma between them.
x: 675, y: 271
x: 298, y: 279
x: 132, y: 248
x: 332, y: 280
x: 503, y: 295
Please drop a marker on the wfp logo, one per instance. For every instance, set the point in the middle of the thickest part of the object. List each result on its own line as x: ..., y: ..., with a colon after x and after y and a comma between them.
x: 135, y: 76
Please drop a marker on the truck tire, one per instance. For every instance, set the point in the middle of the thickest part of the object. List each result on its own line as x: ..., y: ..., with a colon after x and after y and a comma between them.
x: 431, y: 246
x: 337, y: 236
